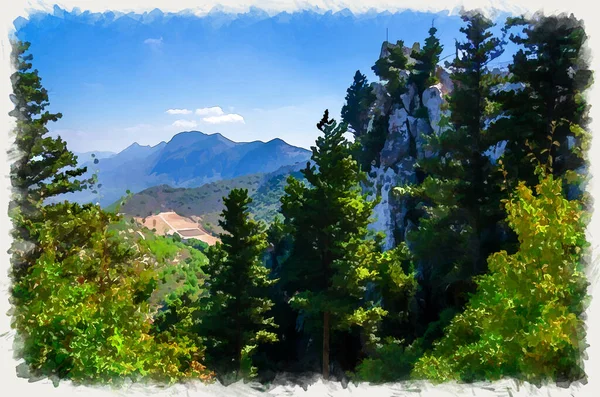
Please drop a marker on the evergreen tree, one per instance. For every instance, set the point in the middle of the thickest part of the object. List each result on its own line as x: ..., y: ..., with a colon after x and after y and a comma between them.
x: 42, y: 166
x: 540, y: 117
x: 234, y: 320
x: 423, y: 72
x: 331, y: 263
x: 367, y: 147
x: 358, y: 100
x: 467, y: 105
x: 460, y: 197
x: 388, y: 68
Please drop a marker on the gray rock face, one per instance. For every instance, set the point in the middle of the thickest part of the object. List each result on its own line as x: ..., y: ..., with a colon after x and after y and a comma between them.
x: 398, y: 140
x: 408, y: 127
x: 432, y: 100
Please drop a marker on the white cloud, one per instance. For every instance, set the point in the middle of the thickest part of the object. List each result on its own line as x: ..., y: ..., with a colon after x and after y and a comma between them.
x: 153, y: 42
x: 178, y: 111
x: 225, y: 118
x: 184, y: 123
x: 212, y: 111
x: 216, y: 115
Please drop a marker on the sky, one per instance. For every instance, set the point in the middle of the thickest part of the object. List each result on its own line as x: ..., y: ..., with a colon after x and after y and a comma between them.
x: 119, y: 79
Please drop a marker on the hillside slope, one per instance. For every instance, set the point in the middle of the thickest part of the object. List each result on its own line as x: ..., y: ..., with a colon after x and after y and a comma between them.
x: 206, y: 202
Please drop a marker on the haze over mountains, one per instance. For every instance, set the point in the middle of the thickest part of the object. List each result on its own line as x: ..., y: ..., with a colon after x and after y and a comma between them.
x: 189, y: 159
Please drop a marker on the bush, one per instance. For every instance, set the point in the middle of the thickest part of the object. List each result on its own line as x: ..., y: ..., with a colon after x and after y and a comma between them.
x: 82, y: 310
x: 524, y: 321
x: 392, y: 362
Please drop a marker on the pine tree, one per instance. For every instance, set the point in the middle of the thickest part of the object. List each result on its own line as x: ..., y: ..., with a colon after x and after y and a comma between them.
x: 460, y: 196
x: 358, y: 99
x: 388, y: 68
x: 43, y: 167
x: 235, y: 319
x: 540, y: 118
x: 331, y: 263
x: 423, y: 72
x: 467, y: 106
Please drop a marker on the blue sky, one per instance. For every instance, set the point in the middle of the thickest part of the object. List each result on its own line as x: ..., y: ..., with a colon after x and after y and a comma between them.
x: 143, y: 78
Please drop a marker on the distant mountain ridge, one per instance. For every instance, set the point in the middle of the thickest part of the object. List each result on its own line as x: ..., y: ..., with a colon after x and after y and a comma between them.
x: 189, y: 159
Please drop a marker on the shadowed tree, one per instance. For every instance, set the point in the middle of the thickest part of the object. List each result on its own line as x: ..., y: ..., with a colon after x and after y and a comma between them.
x: 541, y: 114
x: 234, y: 319
x: 460, y: 197
x: 331, y: 262
x: 358, y: 99
x: 423, y: 72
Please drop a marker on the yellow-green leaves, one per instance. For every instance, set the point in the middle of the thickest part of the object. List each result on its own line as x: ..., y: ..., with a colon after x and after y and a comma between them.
x: 524, y: 319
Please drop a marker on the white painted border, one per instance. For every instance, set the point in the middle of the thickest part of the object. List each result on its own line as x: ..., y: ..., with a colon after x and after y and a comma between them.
x: 11, y: 385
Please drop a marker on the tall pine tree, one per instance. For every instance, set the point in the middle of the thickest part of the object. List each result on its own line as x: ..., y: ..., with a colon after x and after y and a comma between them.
x: 540, y: 119
x: 331, y: 262
x: 460, y: 199
x: 234, y: 319
x: 42, y: 165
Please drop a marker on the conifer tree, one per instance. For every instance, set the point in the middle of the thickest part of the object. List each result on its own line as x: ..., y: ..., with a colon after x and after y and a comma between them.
x: 467, y: 106
x: 358, y: 99
x: 460, y: 197
x: 540, y: 117
x: 42, y: 166
x: 388, y: 68
x: 235, y: 320
x: 423, y: 72
x: 331, y: 262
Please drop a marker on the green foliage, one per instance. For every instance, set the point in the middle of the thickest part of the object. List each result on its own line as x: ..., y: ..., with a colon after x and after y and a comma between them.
x: 331, y: 262
x: 524, y: 321
x: 458, y: 201
x: 266, y: 202
x: 234, y: 316
x: 196, y: 244
x: 388, y: 68
x: 82, y: 309
x: 423, y: 72
x: 368, y: 147
x: 359, y: 98
x: 391, y: 362
x: 42, y: 166
x: 553, y: 70
x: 160, y: 247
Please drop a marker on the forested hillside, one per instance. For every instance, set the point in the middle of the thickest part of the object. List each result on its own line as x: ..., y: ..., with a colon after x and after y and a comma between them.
x: 446, y: 242
x: 206, y: 201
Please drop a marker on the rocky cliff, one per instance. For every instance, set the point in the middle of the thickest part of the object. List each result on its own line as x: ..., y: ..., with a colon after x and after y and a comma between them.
x: 411, y: 117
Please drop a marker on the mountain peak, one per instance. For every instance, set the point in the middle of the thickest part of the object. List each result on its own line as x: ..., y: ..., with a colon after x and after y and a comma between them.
x: 134, y: 145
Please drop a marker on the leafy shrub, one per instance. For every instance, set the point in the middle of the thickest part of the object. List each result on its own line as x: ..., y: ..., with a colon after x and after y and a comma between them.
x: 160, y: 247
x: 392, y: 362
x: 82, y: 310
x: 524, y: 319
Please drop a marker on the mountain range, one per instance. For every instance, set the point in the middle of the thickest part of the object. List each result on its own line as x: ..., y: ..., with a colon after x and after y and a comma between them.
x: 190, y: 159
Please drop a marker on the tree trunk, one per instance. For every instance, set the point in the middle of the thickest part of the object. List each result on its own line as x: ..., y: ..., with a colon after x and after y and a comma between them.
x: 326, y: 345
